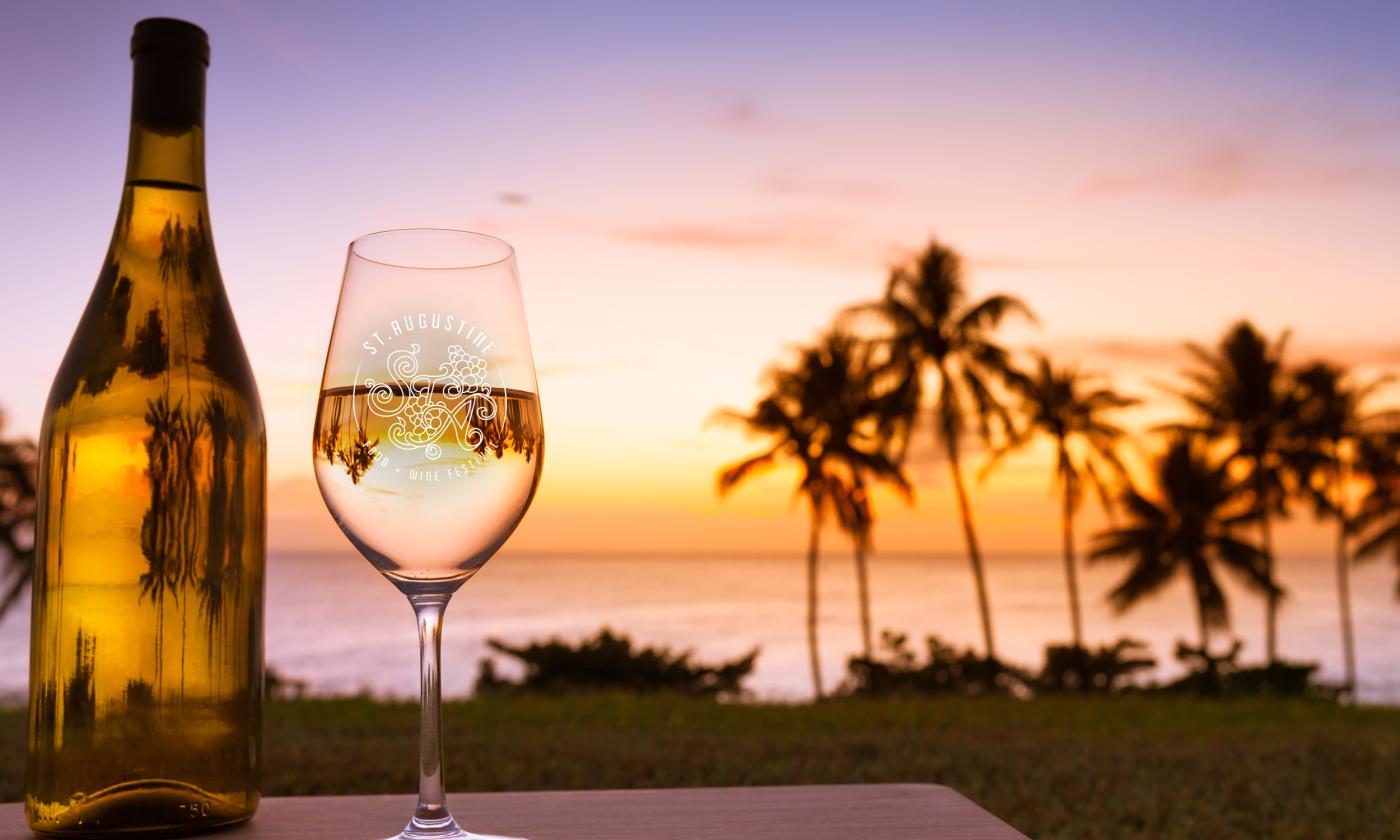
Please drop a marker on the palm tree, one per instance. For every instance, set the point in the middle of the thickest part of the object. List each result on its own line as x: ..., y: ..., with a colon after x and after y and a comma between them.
x: 819, y: 415
x: 1377, y: 520
x: 934, y: 327
x: 1327, y: 433
x: 1070, y: 408
x: 856, y: 516
x: 1239, y: 393
x: 857, y: 446
x: 1190, y: 527
x: 855, y: 513
x: 18, y: 506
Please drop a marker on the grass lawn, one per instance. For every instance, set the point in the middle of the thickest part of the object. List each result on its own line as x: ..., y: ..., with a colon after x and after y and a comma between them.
x: 1058, y: 767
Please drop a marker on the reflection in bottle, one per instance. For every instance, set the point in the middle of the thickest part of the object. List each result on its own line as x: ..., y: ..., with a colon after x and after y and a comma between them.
x: 79, y: 698
x: 106, y: 348
x: 221, y: 578
x: 169, y: 531
x: 150, y: 353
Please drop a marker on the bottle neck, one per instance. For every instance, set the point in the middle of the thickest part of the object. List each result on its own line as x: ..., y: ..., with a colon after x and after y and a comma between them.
x: 168, y: 161
x: 166, y: 147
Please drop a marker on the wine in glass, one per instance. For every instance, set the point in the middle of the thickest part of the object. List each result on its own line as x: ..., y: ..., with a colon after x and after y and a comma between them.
x: 429, y: 439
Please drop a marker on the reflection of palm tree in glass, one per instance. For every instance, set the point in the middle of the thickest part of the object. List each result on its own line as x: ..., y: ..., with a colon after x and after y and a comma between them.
x: 1070, y: 409
x: 813, y: 415
x: 934, y: 327
x: 356, y: 453
x: 328, y: 436
x: 1191, y: 527
x: 1239, y: 393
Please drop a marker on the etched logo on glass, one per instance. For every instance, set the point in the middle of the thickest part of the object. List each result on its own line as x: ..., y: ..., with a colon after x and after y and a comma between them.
x: 426, y: 408
x: 432, y: 402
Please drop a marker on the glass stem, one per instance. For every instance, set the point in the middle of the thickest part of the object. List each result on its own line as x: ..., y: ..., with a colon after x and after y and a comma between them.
x: 431, y: 817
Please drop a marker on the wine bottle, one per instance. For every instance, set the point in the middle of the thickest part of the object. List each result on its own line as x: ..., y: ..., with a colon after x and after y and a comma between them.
x: 146, y: 671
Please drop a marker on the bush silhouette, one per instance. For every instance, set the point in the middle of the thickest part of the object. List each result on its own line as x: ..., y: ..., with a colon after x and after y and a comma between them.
x: 946, y: 671
x: 608, y: 661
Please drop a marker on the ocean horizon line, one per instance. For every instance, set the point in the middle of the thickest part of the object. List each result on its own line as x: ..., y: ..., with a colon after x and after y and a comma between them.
x: 634, y: 554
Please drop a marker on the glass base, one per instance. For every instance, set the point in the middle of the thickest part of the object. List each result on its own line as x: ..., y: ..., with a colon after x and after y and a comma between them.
x: 458, y: 834
x: 446, y: 829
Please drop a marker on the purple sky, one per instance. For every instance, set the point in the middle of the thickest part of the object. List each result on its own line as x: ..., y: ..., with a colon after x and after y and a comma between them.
x: 689, y: 190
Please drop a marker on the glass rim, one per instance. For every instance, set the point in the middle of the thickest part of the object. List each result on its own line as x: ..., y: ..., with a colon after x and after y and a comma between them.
x: 467, y: 265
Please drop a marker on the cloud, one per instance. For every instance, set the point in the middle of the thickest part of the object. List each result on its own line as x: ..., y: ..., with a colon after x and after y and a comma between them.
x: 741, y: 114
x: 793, y: 185
x: 1230, y: 168
x: 1172, y: 352
x: 1379, y: 354
x: 817, y: 239
x: 292, y: 45
x: 701, y: 236
x: 1224, y: 170
x: 996, y: 263
x: 1130, y: 350
x: 562, y: 369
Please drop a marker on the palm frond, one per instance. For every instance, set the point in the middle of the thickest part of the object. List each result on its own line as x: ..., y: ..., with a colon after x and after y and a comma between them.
x: 988, y: 313
x: 1149, y: 574
x: 733, y: 474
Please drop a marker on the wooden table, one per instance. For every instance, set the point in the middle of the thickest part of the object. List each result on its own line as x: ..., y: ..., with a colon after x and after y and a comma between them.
x: 817, y: 812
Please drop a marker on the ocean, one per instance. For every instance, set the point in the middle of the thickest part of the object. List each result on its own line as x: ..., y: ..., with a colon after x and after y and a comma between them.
x: 335, y: 623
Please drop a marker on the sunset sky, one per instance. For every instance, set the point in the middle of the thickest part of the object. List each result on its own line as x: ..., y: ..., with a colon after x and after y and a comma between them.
x: 692, y: 190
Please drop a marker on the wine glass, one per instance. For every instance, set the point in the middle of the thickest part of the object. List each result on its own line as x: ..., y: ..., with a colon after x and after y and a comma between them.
x: 429, y: 439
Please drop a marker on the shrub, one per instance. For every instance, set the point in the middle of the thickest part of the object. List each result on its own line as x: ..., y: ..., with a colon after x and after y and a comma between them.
x: 1104, y: 669
x: 1213, y: 675
x: 946, y: 671
x: 608, y: 661
x: 279, y: 686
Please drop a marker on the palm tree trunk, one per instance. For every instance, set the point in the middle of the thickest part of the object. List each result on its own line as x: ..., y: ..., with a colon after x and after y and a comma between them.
x: 1271, y: 600
x: 863, y: 596
x: 1071, y: 574
x: 1211, y: 675
x: 1344, y: 589
x: 1201, y: 628
x: 813, y: 546
x: 974, y: 554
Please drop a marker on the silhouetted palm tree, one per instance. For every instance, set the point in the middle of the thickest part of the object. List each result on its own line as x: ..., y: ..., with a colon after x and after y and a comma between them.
x: 934, y: 327
x: 18, y: 505
x: 857, y: 445
x: 1070, y: 408
x: 817, y: 416
x: 856, y: 516
x: 1191, y: 526
x: 1377, y: 520
x: 1327, y: 433
x: 1239, y: 393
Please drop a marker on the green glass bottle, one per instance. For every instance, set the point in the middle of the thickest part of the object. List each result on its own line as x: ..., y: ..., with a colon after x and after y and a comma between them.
x: 146, y: 667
